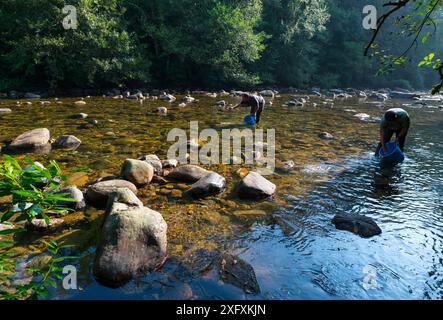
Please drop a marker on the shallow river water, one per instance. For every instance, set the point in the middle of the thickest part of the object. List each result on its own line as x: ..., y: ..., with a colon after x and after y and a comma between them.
x: 290, y: 242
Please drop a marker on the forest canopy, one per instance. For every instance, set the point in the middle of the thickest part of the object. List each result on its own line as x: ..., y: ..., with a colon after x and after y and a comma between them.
x: 205, y: 43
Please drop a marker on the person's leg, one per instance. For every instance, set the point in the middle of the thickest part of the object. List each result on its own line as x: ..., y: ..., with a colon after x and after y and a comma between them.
x: 258, y: 114
x: 388, y: 136
x: 402, y: 141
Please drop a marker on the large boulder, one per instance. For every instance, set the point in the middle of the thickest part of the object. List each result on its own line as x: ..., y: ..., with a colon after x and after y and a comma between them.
x: 138, y: 172
x: 188, y: 173
x: 267, y: 93
x: 255, y: 186
x: 155, y: 162
x: 133, y: 242
x: 358, y: 224
x: 209, y: 185
x: 33, y: 140
x: 67, y: 142
x: 98, y: 194
x: 72, y: 192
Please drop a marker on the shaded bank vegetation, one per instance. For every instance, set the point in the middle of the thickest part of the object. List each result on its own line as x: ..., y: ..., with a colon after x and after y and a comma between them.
x: 188, y: 43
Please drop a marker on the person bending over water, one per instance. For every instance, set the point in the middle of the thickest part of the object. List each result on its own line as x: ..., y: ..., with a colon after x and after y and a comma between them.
x: 257, y: 104
x: 394, y: 121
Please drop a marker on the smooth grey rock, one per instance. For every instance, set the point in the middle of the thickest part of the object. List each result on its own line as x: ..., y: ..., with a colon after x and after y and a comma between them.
x: 30, y: 95
x: 33, y: 140
x: 126, y: 196
x: 5, y: 111
x: 138, y: 172
x: 133, y: 242
x: 209, y: 185
x: 80, y: 116
x: 188, y: 173
x: 358, y: 224
x: 326, y: 136
x: 155, y: 162
x: 98, y: 194
x: 72, y: 192
x: 170, y: 163
x: 255, y: 186
x: 67, y: 142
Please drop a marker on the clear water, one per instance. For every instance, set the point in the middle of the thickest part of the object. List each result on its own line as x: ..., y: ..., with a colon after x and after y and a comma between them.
x: 295, y: 249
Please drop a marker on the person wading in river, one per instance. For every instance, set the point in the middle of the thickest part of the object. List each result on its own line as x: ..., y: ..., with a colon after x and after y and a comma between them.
x: 394, y: 121
x: 257, y: 104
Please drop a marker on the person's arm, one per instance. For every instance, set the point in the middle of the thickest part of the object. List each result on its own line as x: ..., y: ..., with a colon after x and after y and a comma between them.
x: 254, y: 107
x: 404, y: 131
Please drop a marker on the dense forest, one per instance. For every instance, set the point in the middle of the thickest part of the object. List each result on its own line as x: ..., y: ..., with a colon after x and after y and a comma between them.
x: 205, y: 43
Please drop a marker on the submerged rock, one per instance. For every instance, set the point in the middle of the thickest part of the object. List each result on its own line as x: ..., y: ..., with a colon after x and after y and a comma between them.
x: 72, y: 192
x: 255, y: 186
x: 40, y: 225
x: 239, y: 273
x: 33, y: 140
x: 138, y: 172
x: 188, y: 173
x: 66, y: 142
x: 209, y: 185
x: 99, y: 193
x: 358, y: 224
x: 133, y: 242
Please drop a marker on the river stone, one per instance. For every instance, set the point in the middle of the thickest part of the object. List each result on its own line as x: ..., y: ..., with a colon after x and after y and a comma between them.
x: 80, y: 116
x: 133, y: 242
x: 33, y: 140
x: 155, y: 162
x: 209, y: 185
x: 126, y: 196
x: 98, y: 194
x: 188, y: 173
x: 255, y: 186
x: 237, y: 272
x: 326, y: 136
x: 358, y: 224
x: 40, y: 225
x: 170, y: 163
x: 5, y: 111
x: 66, y: 142
x: 72, y: 192
x: 30, y: 95
x: 138, y: 172
x: 267, y: 93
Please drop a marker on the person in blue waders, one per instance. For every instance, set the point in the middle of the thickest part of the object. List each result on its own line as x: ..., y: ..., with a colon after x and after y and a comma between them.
x: 394, y: 121
x: 257, y: 104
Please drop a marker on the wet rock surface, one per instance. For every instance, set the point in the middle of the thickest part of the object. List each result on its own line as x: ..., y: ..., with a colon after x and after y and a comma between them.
x: 138, y: 172
x: 255, y: 186
x: 188, y: 173
x: 211, y: 184
x: 358, y: 224
x: 30, y: 141
x: 98, y: 194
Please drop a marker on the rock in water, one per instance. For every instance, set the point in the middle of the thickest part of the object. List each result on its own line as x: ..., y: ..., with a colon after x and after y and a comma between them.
x: 5, y: 111
x: 267, y: 93
x: 155, y: 162
x: 40, y: 225
x: 255, y: 186
x: 98, y: 194
x: 211, y: 184
x: 326, y: 136
x: 33, y: 140
x: 133, y: 242
x: 188, y: 173
x: 67, y: 142
x: 170, y: 163
x: 74, y: 193
x: 30, y: 95
x: 358, y: 224
x: 237, y: 272
x: 138, y: 172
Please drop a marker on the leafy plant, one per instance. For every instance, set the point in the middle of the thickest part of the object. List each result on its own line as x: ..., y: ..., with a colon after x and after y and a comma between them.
x: 43, y: 278
x: 32, y: 190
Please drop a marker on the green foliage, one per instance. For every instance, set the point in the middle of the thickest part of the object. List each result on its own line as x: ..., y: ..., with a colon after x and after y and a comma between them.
x: 32, y: 190
x: 42, y: 277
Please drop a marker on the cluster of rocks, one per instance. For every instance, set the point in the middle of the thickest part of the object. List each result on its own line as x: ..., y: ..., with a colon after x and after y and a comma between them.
x: 39, y: 140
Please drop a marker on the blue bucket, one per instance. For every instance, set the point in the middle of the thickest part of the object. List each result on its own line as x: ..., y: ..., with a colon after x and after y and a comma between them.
x: 395, y: 155
x: 250, y: 120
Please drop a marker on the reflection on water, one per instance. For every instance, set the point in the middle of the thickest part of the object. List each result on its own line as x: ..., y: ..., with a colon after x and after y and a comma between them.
x: 295, y: 249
